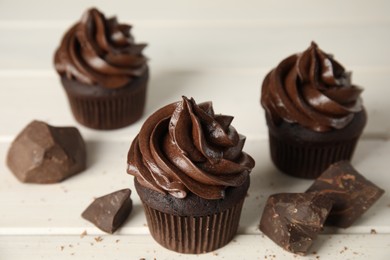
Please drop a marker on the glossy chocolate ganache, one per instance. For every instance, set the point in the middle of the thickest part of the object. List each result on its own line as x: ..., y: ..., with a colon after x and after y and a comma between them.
x: 185, y: 147
x: 311, y: 89
x: 100, y: 51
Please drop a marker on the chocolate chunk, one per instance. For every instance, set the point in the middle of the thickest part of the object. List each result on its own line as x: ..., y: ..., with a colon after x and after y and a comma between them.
x: 109, y: 211
x: 293, y: 220
x: 45, y: 154
x: 351, y: 193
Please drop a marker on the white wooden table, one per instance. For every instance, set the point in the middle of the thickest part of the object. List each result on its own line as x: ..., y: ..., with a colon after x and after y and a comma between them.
x: 211, y: 50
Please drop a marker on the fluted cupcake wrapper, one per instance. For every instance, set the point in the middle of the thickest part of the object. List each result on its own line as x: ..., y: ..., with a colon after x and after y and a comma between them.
x: 194, y: 234
x: 110, y: 112
x: 306, y: 160
x: 101, y: 108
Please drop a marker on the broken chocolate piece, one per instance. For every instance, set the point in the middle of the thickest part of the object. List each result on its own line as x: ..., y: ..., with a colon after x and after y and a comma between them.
x: 351, y: 193
x: 293, y: 220
x: 45, y: 154
x: 109, y: 211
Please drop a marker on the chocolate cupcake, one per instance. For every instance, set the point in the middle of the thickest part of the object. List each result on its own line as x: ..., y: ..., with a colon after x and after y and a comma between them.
x: 103, y: 72
x: 314, y: 113
x: 191, y: 175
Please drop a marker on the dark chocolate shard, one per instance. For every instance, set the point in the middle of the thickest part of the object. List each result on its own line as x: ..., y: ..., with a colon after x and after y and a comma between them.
x: 109, y: 211
x: 45, y: 154
x: 293, y: 220
x: 351, y: 193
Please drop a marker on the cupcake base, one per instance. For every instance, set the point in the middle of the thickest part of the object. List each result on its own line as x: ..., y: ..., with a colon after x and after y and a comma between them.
x: 303, y: 153
x: 192, y: 225
x: 101, y: 108
x: 193, y: 235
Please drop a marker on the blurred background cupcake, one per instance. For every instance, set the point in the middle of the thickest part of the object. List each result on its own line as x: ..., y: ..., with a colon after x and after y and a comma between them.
x: 103, y: 72
x: 314, y: 113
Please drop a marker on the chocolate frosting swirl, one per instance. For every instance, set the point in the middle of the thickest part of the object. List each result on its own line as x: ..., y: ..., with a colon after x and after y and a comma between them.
x: 100, y: 51
x: 184, y: 147
x: 311, y: 89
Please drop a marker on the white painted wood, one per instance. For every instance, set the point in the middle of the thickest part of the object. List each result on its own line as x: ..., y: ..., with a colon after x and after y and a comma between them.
x: 215, y: 47
x: 335, y: 247
x: 212, y: 50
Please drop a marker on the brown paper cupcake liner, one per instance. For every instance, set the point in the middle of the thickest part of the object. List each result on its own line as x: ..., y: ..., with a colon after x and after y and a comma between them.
x: 193, y: 234
x: 308, y: 160
x: 109, y: 112
x: 98, y: 107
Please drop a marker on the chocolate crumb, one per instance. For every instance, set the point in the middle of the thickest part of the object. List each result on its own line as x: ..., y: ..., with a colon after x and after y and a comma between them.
x: 98, y: 239
x: 117, y: 241
x: 215, y: 253
x: 83, y: 234
x: 62, y: 248
x: 64, y: 189
x: 142, y: 259
x: 344, y: 249
x: 373, y: 231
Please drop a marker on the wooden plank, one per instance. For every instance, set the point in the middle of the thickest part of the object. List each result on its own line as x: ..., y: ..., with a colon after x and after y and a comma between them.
x: 205, y: 47
x: 370, y: 246
x: 233, y: 92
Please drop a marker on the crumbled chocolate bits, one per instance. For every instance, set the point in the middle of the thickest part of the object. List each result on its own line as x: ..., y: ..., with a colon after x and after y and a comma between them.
x: 110, y: 211
x: 45, y: 154
x: 351, y: 193
x: 293, y: 220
